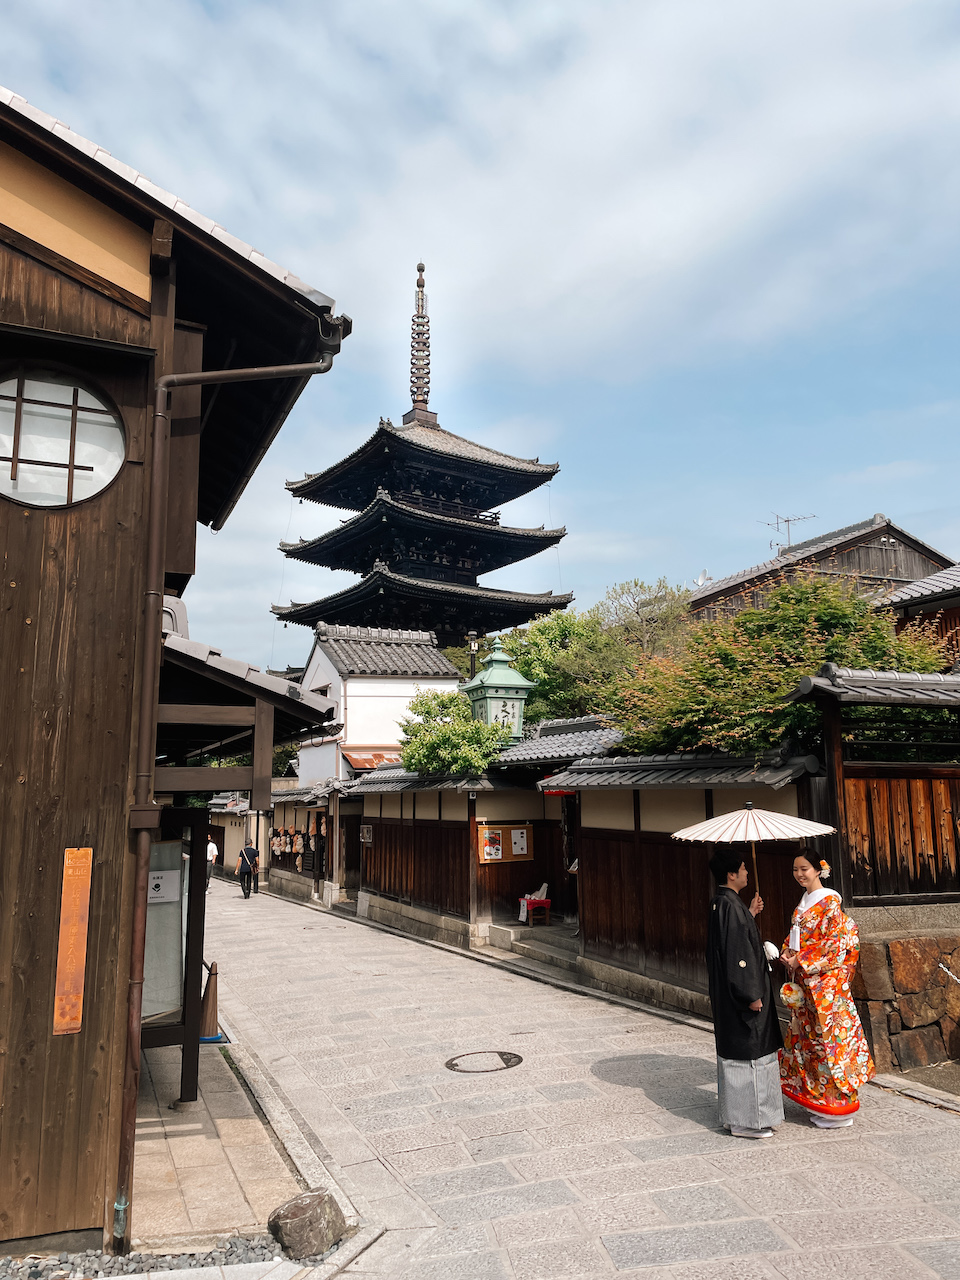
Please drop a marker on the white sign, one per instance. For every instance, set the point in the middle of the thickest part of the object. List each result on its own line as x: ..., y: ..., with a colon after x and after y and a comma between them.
x: 518, y: 838
x: 163, y: 886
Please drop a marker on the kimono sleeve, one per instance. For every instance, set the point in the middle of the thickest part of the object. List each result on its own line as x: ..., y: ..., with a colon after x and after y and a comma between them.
x: 835, y: 937
x: 745, y: 969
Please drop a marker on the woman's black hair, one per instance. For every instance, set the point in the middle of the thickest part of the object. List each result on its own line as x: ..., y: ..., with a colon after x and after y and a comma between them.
x: 725, y: 862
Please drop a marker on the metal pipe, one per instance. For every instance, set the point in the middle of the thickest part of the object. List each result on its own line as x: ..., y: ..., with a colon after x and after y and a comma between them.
x: 147, y: 737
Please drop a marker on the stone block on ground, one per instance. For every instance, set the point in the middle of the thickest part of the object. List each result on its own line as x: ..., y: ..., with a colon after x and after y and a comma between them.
x: 309, y: 1224
x: 922, y: 1047
x: 914, y: 963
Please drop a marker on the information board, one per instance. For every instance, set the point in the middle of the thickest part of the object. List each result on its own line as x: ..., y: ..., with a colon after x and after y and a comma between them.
x: 502, y: 842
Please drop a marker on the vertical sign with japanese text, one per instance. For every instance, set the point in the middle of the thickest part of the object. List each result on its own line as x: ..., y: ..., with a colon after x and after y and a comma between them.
x: 72, y: 948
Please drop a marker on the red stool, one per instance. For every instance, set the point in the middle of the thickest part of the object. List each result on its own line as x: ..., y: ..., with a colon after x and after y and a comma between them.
x: 537, y: 904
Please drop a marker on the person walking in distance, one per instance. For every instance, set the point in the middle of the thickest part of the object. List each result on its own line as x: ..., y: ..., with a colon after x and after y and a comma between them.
x: 212, y: 852
x: 248, y: 865
x: 745, y: 1021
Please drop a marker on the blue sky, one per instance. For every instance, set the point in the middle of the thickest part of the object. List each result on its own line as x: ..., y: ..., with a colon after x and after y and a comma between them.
x: 706, y: 256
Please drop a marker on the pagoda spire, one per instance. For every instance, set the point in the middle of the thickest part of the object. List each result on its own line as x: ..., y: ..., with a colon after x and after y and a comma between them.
x: 420, y: 346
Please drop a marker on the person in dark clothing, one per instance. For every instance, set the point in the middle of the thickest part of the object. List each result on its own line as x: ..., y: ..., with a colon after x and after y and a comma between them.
x: 248, y: 866
x: 745, y: 1021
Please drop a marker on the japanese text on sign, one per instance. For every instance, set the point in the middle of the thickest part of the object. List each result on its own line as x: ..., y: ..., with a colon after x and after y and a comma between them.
x: 72, y: 946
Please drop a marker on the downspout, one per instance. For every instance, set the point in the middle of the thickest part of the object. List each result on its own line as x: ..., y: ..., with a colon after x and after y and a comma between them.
x: 145, y: 813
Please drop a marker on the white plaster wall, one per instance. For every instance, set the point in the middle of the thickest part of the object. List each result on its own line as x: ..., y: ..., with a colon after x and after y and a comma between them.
x: 373, y: 706
x: 316, y: 764
x: 390, y: 805
x: 613, y: 809
x: 508, y: 806
x: 671, y: 808
x: 552, y: 807
x: 727, y: 799
x: 406, y: 804
x: 453, y: 806
x: 371, y: 806
x: 427, y: 805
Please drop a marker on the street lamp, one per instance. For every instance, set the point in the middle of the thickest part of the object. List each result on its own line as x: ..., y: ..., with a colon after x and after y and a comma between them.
x: 474, y: 644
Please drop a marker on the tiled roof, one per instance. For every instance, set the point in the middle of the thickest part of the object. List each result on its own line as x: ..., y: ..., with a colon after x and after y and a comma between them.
x: 172, y: 204
x: 392, y: 778
x: 307, y: 796
x: 892, y: 688
x: 369, y: 759
x: 301, y: 700
x: 382, y: 651
x: 944, y: 583
x: 801, y: 551
x: 683, y: 769
x: 554, y: 747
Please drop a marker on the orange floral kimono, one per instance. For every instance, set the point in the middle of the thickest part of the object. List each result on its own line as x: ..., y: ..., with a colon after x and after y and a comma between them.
x: 825, y: 1058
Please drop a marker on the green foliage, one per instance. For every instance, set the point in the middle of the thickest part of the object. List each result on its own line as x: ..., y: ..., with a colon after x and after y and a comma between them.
x: 459, y: 655
x: 574, y: 658
x: 441, y: 736
x: 653, y: 617
x: 725, y: 688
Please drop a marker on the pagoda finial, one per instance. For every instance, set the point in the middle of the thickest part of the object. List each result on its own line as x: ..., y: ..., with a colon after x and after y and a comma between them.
x: 420, y: 345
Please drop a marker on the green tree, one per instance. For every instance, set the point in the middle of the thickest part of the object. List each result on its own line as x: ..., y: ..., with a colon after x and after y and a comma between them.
x: 652, y: 616
x: 725, y: 688
x: 574, y: 659
x: 441, y: 736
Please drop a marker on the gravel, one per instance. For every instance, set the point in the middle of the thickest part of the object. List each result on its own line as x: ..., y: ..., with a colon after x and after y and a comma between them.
x: 93, y: 1264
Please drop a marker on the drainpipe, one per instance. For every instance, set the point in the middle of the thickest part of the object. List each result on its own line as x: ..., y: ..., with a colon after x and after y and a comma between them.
x: 145, y: 813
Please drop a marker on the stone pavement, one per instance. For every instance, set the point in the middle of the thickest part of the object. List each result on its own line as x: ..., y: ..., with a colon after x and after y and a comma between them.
x: 207, y: 1169
x: 597, y: 1156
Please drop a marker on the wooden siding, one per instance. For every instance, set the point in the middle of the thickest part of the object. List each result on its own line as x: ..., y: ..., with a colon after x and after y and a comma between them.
x: 70, y: 607
x: 500, y: 887
x: 422, y: 864
x: 902, y: 836
x: 644, y: 900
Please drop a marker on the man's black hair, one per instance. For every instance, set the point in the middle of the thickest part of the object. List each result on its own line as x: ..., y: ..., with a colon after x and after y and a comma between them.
x: 725, y: 862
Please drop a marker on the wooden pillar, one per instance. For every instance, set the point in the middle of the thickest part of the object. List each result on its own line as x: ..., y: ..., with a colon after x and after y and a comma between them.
x: 473, y: 853
x: 262, y: 755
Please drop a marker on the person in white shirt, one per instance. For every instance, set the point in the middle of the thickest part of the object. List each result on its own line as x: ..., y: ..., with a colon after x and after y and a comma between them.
x: 212, y: 852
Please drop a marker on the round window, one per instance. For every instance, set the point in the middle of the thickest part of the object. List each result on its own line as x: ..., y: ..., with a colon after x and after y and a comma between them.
x: 59, y: 443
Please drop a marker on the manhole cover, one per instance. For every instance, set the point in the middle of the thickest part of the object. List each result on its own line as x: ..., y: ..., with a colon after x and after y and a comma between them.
x: 484, y: 1060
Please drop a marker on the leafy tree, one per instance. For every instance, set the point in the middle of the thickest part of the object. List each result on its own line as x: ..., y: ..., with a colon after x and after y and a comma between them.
x: 441, y: 736
x: 654, y: 617
x: 574, y: 659
x: 725, y: 689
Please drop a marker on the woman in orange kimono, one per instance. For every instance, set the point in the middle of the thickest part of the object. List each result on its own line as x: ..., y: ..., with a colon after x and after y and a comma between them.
x: 825, y: 1058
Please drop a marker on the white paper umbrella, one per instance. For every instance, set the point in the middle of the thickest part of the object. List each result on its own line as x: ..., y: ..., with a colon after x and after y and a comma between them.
x: 748, y: 825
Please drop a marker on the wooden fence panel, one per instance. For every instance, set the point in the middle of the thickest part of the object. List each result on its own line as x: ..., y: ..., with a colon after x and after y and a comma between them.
x: 901, y: 837
x: 419, y: 864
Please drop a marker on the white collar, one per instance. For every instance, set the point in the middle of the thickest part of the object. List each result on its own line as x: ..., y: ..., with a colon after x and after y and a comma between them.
x: 811, y: 899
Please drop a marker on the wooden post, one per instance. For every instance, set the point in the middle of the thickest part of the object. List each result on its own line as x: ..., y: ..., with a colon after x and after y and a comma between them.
x: 473, y: 854
x: 262, y: 756
x: 833, y: 744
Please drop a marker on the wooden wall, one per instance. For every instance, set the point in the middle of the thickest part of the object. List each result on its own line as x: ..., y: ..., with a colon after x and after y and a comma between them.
x: 500, y: 886
x: 902, y: 834
x: 644, y: 900
x: 70, y: 607
x: 424, y: 864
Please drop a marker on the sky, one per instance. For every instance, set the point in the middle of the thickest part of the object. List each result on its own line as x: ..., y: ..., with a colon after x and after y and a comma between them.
x: 705, y: 256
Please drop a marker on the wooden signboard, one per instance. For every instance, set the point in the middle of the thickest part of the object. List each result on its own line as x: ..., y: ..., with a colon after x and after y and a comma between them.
x: 72, y: 948
x: 504, y: 842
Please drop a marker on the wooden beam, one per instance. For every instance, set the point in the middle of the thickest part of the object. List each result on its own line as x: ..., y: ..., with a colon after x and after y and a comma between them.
x: 185, y: 713
x: 203, y: 778
x: 262, y: 755
x: 899, y: 769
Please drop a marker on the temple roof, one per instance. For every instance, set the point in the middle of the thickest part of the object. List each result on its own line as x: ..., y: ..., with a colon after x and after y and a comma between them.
x: 384, y: 599
x: 381, y: 651
x: 422, y: 445
x: 356, y: 543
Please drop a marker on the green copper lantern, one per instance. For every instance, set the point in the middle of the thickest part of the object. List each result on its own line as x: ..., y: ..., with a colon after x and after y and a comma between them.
x: 498, y: 692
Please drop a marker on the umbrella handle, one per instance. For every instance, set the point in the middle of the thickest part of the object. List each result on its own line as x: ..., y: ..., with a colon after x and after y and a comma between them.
x: 756, y: 877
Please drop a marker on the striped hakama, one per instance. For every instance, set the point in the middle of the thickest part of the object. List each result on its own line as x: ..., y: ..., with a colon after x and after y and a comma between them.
x: 749, y: 1092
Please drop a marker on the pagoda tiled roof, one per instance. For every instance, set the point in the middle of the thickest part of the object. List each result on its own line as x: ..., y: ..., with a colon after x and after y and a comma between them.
x: 481, y: 608
x: 506, y: 543
x: 429, y: 444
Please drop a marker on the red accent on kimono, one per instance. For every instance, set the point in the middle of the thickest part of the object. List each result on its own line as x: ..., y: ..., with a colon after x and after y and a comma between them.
x: 825, y: 1058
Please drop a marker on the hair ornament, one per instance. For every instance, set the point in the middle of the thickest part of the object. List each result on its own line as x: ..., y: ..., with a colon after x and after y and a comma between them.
x: 824, y: 869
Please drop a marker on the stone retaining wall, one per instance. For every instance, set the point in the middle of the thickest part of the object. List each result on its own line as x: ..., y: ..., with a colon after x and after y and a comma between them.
x: 910, y: 1007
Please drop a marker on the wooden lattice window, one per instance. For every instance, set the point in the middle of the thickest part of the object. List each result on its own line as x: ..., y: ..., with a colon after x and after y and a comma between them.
x: 59, y: 442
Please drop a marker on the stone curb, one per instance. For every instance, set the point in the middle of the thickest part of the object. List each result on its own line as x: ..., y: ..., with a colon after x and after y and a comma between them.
x: 918, y: 1092
x: 311, y: 1168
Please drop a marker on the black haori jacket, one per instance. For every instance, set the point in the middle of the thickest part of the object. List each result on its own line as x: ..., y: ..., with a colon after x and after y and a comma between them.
x: 739, y: 974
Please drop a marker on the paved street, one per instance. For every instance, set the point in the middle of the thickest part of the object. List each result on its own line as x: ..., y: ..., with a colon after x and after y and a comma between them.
x: 597, y: 1156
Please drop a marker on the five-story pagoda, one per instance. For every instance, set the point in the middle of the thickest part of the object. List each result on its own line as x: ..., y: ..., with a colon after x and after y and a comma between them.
x: 425, y: 528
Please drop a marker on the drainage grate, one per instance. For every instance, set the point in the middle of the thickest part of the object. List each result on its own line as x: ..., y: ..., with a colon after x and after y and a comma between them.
x: 483, y: 1060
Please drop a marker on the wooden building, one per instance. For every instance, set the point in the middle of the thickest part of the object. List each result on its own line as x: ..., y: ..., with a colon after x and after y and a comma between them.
x: 933, y: 599
x: 107, y: 285
x: 425, y: 530
x: 876, y: 553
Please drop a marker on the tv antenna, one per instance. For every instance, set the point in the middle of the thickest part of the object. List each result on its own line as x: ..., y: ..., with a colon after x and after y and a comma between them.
x: 784, y: 522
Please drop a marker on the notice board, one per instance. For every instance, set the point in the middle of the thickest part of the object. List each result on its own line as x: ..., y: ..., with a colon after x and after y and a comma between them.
x: 504, y: 842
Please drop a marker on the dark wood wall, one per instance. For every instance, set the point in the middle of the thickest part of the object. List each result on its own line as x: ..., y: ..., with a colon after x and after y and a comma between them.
x: 424, y: 864
x: 500, y: 886
x: 902, y: 833
x: 644, y: 900
x: 70, y: 606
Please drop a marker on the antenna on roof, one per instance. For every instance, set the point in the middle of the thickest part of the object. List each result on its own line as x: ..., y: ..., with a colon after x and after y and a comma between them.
x: 785, y: 522
x: 420, y: 345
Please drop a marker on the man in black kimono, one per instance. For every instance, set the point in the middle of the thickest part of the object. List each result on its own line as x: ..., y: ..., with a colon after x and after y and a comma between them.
x: 744, y: 1016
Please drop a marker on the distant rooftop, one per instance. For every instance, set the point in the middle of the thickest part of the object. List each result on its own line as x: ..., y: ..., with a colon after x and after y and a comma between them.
x: 382, y: 651
x: 927, y: 590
